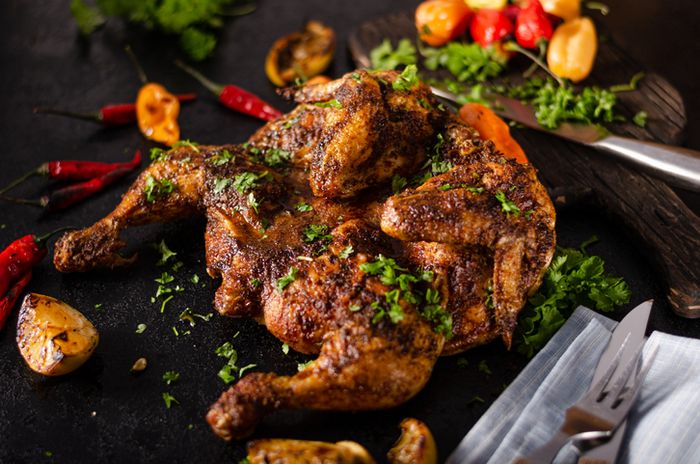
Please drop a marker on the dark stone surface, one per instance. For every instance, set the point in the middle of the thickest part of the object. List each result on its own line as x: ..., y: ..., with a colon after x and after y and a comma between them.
x: 103, y: 413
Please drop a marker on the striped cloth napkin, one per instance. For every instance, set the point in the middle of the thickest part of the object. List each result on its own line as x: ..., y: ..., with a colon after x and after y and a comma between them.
x: 664, y: 424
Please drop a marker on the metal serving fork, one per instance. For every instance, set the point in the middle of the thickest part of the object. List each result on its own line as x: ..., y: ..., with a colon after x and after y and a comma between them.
x: 601, y: 409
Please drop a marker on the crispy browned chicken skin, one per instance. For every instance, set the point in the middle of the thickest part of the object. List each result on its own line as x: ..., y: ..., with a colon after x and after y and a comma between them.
x: 482, y: 226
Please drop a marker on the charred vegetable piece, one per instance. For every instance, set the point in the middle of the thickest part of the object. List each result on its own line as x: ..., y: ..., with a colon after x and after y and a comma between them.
x: 282, y: 451
x: 491, y: 127
x: 416, y: 444
x: 300, y: 55
x: 53, y: 338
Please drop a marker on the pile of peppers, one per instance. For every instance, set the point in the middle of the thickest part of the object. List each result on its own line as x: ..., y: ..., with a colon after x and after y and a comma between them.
x: 552, y: 27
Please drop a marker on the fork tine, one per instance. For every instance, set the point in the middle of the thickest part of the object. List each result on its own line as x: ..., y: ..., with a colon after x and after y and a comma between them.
x: 621, y: 380
x: 631, y: 395
x: 597, y: 389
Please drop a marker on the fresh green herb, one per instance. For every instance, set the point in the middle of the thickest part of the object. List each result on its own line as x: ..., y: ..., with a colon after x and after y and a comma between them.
x: 598, y: 6
x: 225, y: 374
x: 164, y: 278
x: 398, y: 183
x: 316, y: 232
x: 407, y: 80
x: 194, y: 279
x: 169, y: 399
x: 98, y: 305
x: 632, y: 85
x: 275, y: 158
x: 242, y: 370
x: 484, y: 368
x: 434, y: 313
x: 467, y: 62
x: 346, y: 252
x: 329, y: 104
x: 507, y: 206
x: 156, y: 189
x: 304, y: 207
x: 170, y: 377
x: 186, y: 143
x: 304, y: 365
x: 354, y: 308
x: 177, y: 266
x: 356, y: 76
x: 289, y: 123
x: 285, y: 348
x: 476, y: 399
x: 165, y: 301
x: 88, y: 18
x: 283, y: 282
x: 174, y: 329
x: 141, y: 328
x: 222, y: 157
x: 574, y: 278
x: 248, y: 180
x: 384, y: 56
x: 220, y: 184
x: 245, y: 460
x: 640, y: 118
x: 165, y: 253
x: 252, y: 202
x: 255, y: 282
x: 462, y: 362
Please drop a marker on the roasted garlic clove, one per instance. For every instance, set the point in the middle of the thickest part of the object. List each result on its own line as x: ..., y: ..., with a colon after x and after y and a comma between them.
x: 53, y: 338
x: 416, y: 444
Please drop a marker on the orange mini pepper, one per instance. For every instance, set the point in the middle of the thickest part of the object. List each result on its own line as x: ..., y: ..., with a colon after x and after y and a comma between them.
x: 439, y: 21
x: 156, y: 113
x: 491, y: 127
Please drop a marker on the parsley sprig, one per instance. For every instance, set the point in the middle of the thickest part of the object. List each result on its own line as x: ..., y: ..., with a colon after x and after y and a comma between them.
x: 385, y: 57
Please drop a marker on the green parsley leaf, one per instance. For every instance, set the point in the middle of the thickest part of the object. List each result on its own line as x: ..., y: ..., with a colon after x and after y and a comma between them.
x: 275, y: 158
x: 407, y: 80
x: 98, y: 305
x: 640, y: 118
x: 221, y: 158
x: 354, y: 308
x: 384, y: 56
x: 169, y: 399
x: 141, y: 328
x: 507, y: 206
x: 194, y: 279
x: 198, y: 44
x: 462, y: 362
x: 304, y: 365
x: 225, y: 374
x: 314, y: 232
x: 283, y: 282
x: 329, y: 104
x: 165, y: 301
x: 252, y: 202
x: 156, y: 189
x: 346, y: 252
x: 628, y: 87
x: 303, y: 207
x: 220, y: 184
x: 170, y: 377
x: 165, y: 253
x: 484, y: 368
x: 89, y: 19
x: 398, y: 183
x: 186, y: 143
x: 466, y: 61
x: 248, y: 180
x: 285, y: 348
x: 255, y: 282
x: 242, y: 370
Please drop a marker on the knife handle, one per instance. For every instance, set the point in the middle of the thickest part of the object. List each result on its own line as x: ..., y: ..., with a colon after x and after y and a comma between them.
x: 677, y: 165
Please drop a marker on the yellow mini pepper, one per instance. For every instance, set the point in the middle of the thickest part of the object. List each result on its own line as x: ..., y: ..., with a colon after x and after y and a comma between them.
x: 572, y: 49
x: 565, y: 9
x: 156, y: 113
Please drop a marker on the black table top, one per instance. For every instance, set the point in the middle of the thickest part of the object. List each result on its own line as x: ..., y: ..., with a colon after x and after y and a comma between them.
x: 103, y: 413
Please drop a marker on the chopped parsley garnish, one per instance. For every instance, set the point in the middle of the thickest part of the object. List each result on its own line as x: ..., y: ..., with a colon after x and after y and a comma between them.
x: 316, y: 232
x: 356, y: 76
x: 462, y: 362
x: 407, y: 80
x: 98, y: 305
x: 354, y: 308
x: 255, y: 282
x: 222, y: 157
x: 194, y: 279
x: 158, y: 154
x: 484, y: 368
x: 632, y: 85
x: 466, y: 61
x: 574, y: 278
x: 165, y: 301
x: 242, y: 370
x: 329, y: 104
x: 385, y: 57
x: 283, y: 282
x: 435, y: 164
x: 226, y: 375
x: 640, y: 119
x: 156, y: 189
x: 165, y: 253
x: 220, y: 184
x: 274, y: 157
x: 303, y: 207
x: 169, y: 399
x: 170, y: 377
x: 248, y: 180
x: 164, y: 278
x: 507, y: 206
x: 304, y: 365
x: 346, y: 252
x: 398, y: 183
x: 252, y: 202
x: 141, y: 328
x: 285, y: 348
x: 289, y: 123
x: 186, y: 143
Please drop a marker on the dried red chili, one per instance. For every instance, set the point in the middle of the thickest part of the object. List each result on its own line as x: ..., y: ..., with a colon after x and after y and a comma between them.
x: 234, y: 97
x: 8, y: 302
x: 74, y: 170
x: 118, y: 114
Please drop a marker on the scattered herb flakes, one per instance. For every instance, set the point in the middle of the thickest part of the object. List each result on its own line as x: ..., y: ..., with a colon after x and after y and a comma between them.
x: 165, y: 302
x: 304, y: 365
x: 175, y: 331
x: 165, y: 278
x: 98, y: 305
x: 177, y: 266
x: 385, y: 57
x: 248, y: 180
x: 329, y: 104
x: 574, y: 278
x: 468, y: 62
x: 169, y: 400
x: 253, y: 202
x: 289, y: 123
x: 141, y: 328
x: 255, y: 282
x: 171, y: 377
x: 194, y: 279
x: 221, y: 158
x: 303, y: 207
x: 158, y: 154
x: 283, y: 282
x: 88, y: 18
x: 462, y: 362
x: 484, y: 368
x: 245, y: 368
x: 507, y: 206
x: 48, y: 454
x: 640, y: 119
x: 165, y: 253
x: 407, y: 80
x: 275, y: 158
x: 316, y: 232
x: 285, y: 348
x: 186, y: 143
x: 398, y: 183
x: 356, y: 76
x: 632, y: 85
x: 346, y: 252
x: 434, y: 313
x: 354, y: 308
x: 221, y: 184
x: 156, y: 189
x: 476, y: 399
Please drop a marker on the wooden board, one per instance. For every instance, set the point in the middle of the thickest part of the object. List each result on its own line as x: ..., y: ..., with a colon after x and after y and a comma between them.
x: 650, y: 211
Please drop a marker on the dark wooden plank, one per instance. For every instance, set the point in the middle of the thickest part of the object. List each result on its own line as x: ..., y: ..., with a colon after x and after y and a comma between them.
x: 649, y: 210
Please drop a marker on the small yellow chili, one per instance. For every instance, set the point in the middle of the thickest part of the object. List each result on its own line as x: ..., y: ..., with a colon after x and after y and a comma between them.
x: 565, y: 9
x: 156, y: 113
x: 572, y: 49
x: 486, y: 4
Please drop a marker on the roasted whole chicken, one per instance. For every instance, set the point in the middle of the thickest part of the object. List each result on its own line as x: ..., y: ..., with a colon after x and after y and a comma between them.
x: 368, y: 225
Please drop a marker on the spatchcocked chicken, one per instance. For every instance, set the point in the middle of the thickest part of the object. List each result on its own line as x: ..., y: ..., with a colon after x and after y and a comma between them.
x: 368, y: 225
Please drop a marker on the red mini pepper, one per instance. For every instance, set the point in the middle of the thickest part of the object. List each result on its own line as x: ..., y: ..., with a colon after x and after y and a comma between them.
x: 75, y: 170
x: 8, y: 302
x: 118, y: 114
x: 235, y: 97
x: 532, y: 25
x: 67, y: 196
x: 490, y: 26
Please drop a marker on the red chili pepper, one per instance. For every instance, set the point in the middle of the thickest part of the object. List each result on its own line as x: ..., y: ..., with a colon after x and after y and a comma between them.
x: 8, y: 302
x: 118, y: 114
x: 235, y: 97
x: 532, y: 25
x: 490, y: 26
x: 67, y: 196
x: 74, y: 170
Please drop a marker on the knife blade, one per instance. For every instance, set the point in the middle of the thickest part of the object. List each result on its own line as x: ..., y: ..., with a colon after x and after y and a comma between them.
x: 677, y: 165
x: 632, y: 328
